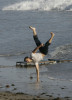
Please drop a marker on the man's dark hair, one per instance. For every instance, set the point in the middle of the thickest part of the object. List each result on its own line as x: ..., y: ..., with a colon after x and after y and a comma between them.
x: 25, y: 58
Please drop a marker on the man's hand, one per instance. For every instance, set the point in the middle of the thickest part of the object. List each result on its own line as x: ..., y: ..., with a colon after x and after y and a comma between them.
x: 42, y: 45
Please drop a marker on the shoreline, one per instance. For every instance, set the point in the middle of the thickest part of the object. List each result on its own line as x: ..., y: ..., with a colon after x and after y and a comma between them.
x: 22, y: 96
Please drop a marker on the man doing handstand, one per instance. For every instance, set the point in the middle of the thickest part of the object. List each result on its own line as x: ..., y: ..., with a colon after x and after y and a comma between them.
x: 43, y: 48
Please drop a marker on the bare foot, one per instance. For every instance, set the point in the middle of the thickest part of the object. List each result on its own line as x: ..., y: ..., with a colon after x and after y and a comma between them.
x: 52, y: 34
x: 33, y: 28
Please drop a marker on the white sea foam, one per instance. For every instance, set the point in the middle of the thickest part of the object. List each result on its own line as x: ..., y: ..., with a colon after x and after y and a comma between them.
x: 41, y: 5
x: 52, y: 78
x: 62, y: 52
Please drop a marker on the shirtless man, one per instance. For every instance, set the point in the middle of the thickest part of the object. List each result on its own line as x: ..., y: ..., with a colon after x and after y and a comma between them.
x: 43, y: 48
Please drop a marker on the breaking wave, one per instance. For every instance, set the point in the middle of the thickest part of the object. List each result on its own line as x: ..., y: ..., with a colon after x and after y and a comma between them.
x: 62, y: 52
x: 43, y: 5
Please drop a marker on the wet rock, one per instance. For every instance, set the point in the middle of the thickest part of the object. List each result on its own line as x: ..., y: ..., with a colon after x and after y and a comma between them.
x: 57, y: 98
x: 15, y: 89
x: 12, y: 85
x: 62, y: 88
x: 7, y: 86
x: 43, y: 93
x: 67, y: 97
x: 31, y: 77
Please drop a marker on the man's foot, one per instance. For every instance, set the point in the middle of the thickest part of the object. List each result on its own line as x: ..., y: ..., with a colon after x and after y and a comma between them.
x: 52, y: 34
x: 33, y: 28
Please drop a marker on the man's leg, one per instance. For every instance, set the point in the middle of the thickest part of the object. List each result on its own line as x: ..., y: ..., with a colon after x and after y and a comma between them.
x: 45, y: 48
x: 52, y: 35
x: 37, y: 41
x: 50, y: 40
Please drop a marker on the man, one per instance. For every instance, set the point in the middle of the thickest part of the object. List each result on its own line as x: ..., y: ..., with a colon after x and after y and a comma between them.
x: 43, y: 48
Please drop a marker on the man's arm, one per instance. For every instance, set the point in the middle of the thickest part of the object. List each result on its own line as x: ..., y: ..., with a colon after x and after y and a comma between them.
x: 34, y: 51
x: 37, y: 71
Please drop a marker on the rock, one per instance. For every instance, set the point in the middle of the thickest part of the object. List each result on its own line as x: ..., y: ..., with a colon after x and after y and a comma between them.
x: 12, y: 85
x: 31, y: 77
x: 7, y: 86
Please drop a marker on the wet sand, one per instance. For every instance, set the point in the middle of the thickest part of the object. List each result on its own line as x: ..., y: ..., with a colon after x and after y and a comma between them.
x: 20, y: 84
x: 17, y: 96
x: 22, y: 96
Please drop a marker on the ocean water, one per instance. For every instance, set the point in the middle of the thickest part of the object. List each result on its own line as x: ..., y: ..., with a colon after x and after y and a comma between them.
x: 16, y: 39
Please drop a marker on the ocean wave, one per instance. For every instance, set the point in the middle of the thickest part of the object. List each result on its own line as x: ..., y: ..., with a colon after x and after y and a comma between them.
x: 43, y: 5
x: 62, y: 52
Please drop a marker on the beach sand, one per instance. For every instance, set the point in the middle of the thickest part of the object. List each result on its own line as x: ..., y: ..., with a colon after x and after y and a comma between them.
x: 17, y: 84
x: 22, y: 96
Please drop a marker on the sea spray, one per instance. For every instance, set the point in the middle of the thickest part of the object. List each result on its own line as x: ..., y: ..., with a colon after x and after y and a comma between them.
x: 43, y: 5
x: 62, y: 52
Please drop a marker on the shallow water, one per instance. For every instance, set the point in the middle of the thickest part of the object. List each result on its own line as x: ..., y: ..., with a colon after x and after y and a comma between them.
x: 54, y: 80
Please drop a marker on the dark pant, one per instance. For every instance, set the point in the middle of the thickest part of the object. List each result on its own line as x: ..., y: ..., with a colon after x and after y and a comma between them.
x: 43, y: 49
